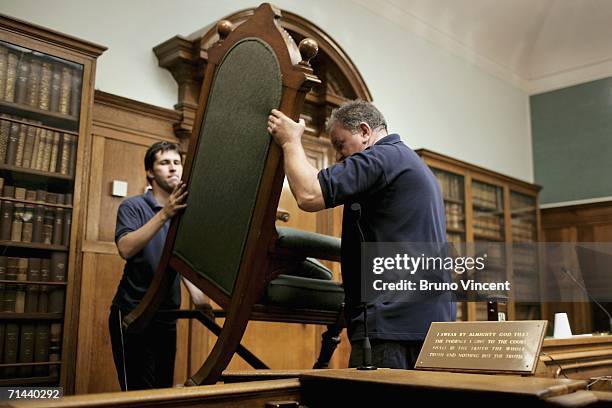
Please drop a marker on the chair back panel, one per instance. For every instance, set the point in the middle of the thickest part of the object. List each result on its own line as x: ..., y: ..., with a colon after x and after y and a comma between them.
x: 228, y: 165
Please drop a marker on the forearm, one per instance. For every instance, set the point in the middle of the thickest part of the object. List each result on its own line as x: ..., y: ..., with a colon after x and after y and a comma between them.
x: 197, y: 296
x: 302, y: 177
x: 132, y: 243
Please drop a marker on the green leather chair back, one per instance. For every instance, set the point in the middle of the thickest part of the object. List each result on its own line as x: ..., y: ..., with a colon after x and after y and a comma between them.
x: 227, y: 169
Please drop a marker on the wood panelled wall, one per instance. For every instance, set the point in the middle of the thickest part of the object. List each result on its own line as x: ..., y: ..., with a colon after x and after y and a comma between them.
x: 578, y: 223
x: 122, y: 131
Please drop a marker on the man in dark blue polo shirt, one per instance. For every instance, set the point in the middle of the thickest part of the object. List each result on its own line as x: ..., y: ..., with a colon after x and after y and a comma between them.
x: 146, y: 360
x: 398, y: 199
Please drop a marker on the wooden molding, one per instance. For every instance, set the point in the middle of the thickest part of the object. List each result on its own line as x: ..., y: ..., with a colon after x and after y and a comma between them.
x: 49, y: 36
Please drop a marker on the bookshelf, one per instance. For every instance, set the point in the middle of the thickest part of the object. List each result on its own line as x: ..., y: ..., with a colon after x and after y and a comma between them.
x: 484, y: 207
x: 46, y: 88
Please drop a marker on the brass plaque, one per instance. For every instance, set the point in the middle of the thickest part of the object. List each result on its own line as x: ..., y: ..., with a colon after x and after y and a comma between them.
x: 511, y: 346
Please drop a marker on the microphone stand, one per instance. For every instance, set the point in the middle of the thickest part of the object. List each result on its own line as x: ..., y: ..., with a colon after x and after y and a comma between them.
x: 366, y: 346
x: 568, y: 273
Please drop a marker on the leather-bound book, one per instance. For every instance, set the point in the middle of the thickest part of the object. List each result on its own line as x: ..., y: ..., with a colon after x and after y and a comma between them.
x: 11, y: 348
x: 54, y: 152
x: 11, y: 77
x: 44, y: 94
x: 10, y: 290
x: 56, y: 83
x: 37, y: 223
x: 22, y: 276
x: 8, y: 191
x: 65, y: 159
x: 41, y: 349
x: 23, y: 131
x: 31, y: 195
x: 13, y: 142
x: 26, y: 349
x: 58, y: 274
x: 3, y: 64
x: 36, y: 148
x: 47, y: 151
x: 27, y: 229
x: 5, y: 130
x: 34, y: 82
x: 47, y: 231
x: 29, y: 147
x: 21, y: 82
x: 17, y: 222
x: 65, y: 88
x: 75, y: 93
x: 58, y: 227
x: 32, y: 291
x: 67, y: 226
x: 6, y: 209
x: 45, y: 276
x: 73, y: 154
x: 20, y: 193
x: 3, y: 263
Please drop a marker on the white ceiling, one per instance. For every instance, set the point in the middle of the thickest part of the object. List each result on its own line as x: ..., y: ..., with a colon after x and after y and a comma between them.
x: 538, y: 45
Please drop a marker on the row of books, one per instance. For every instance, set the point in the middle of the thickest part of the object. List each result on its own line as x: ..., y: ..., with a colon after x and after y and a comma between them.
x: 38, y: 82
x: 488, y: 225
x: 34, y: 223
x: 37, y: 196
x: 450, y: 184
x: 33, y: 147
x: 521, y: 201
x: 30, y: 343
x: 523, y: 230
x: 25, y: 296
x: 486, y: 196
x: 454, y: 215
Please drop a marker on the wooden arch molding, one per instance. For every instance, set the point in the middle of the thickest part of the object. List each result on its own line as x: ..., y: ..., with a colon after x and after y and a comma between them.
x: 186, y: 59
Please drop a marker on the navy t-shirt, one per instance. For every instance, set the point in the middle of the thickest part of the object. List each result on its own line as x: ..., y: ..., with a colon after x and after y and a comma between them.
x: 400, y: 201
x: 133, y: 213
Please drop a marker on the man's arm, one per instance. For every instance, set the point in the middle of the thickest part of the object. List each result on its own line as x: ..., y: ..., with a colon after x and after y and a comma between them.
x: 302, y: 175
x: 133, y: 242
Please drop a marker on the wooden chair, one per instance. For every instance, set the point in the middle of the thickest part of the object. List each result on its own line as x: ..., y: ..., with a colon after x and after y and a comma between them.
x: 226, y: 242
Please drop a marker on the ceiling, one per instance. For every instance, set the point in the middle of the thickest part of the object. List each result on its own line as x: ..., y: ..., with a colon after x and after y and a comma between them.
x: 538, y: 45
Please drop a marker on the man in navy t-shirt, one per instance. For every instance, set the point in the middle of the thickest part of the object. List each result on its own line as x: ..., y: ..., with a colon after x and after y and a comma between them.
x: 146, y: 360
x: 389, y: 195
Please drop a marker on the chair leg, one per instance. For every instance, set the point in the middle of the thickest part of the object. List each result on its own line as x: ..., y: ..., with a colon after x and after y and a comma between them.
x: 223, y: 350
x: 140, y: 317
x: 329, y: 342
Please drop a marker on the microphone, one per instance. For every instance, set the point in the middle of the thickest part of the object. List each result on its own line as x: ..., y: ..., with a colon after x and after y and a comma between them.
x: 366, y: 346
x: 585, y: 290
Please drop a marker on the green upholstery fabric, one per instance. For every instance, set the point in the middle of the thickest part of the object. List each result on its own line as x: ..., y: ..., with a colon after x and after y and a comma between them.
x: 227, y: 169
x: 304, y: 293
x: 311, y: 268
x: 291, y: 238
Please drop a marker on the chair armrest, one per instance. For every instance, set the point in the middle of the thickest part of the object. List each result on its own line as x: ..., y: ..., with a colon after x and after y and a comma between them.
x: 308, y: 244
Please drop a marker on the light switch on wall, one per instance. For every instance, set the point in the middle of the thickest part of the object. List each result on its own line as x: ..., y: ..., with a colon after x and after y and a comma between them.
x: 120, y: 188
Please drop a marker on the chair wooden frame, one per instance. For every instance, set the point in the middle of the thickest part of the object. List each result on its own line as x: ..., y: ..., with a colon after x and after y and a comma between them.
x: 261, y: 260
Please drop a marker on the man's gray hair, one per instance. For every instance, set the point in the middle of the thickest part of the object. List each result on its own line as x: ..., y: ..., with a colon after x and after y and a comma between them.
x: 351, y: 114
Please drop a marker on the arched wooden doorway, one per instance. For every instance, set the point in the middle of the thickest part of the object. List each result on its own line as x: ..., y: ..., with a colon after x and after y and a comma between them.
x: 276, y: 344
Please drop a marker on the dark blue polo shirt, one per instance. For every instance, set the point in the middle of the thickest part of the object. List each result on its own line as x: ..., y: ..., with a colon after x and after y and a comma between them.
x: 400, y: 201
x: 133, y: 213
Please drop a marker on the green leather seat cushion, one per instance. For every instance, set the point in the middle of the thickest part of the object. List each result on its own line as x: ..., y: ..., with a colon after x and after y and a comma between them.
x: 308, y: 242
x: 311, y: 268
x: 304, y: 293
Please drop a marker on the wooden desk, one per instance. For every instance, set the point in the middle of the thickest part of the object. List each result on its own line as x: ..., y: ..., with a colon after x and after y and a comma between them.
x: 576, y: 357
x: 386, y: 387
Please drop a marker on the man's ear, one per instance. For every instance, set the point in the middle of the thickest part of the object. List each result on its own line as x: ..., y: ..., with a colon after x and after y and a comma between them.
x: 150, y: 175
x: 366, y: 132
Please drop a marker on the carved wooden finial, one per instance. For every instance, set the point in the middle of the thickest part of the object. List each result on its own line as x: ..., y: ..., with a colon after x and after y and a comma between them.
x: 224, y: 28
x: 308, y: 50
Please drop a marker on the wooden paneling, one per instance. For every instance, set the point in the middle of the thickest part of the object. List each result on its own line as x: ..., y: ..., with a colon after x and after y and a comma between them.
x: 578, y: 223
